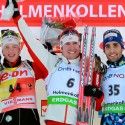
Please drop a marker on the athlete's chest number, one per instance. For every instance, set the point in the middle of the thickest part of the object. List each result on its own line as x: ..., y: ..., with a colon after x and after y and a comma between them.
x: 70, y: 82
x: 114, y: 89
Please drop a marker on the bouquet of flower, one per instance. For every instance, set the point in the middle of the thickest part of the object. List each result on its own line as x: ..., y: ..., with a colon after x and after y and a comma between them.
x: 51, y: 29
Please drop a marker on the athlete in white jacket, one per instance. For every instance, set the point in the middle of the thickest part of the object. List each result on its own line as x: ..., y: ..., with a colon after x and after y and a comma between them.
x: 63, y: 74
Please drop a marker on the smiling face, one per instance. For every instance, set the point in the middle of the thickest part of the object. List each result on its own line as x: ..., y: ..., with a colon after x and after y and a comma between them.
x: 113, y: 51
x: 11, y: 52
x: 71, y: 50
x: 70, y: 43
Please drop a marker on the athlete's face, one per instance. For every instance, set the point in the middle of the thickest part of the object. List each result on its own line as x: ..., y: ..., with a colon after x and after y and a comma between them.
x: 113, y: 51
x: 11, y: 52
x: 71, y: 50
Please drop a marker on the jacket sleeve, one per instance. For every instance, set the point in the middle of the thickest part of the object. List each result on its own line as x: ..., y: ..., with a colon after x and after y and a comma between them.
x: 41, y: 56
x: 36, y: 68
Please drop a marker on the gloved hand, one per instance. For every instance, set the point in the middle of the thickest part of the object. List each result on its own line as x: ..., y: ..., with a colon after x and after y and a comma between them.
x: 16, y: 10
x: 90, y: 90
x: 11, y: 10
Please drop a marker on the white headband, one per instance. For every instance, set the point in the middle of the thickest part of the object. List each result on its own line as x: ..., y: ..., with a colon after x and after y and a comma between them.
x: 68, y: 38
x: 10, y: 39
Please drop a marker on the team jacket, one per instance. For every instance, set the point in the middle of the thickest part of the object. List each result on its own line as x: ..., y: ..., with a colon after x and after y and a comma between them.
x: 62, y: 80
x: 113, y: 88
x: 17, y: 86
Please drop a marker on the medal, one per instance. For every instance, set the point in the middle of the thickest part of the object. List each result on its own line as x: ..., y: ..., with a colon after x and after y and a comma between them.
x: 8, y: 118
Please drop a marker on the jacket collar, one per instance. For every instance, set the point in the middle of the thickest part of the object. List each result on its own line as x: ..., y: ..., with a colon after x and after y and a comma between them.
x: 6, y: 64
x: 74, y: 61
x: 118, y: 63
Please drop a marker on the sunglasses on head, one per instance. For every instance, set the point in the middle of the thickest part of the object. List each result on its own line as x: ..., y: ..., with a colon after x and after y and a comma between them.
x: 8, y: 32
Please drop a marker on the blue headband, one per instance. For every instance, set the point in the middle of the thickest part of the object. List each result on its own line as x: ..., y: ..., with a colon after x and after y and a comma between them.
x: 113, y: 35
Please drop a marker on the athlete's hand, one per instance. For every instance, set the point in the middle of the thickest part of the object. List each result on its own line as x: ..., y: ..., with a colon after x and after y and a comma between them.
x: 11, y: 10
x: 16, y: 9
x: 90, y: 90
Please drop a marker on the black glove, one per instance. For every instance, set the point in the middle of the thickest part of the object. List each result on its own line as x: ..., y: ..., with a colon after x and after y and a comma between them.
x: 90, y: 90
x: 48, y: 46
x: 16, y: 11
x: 7, y: 3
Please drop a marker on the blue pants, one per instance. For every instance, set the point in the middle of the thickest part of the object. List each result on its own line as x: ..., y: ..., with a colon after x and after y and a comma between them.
x: 113, y: 119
